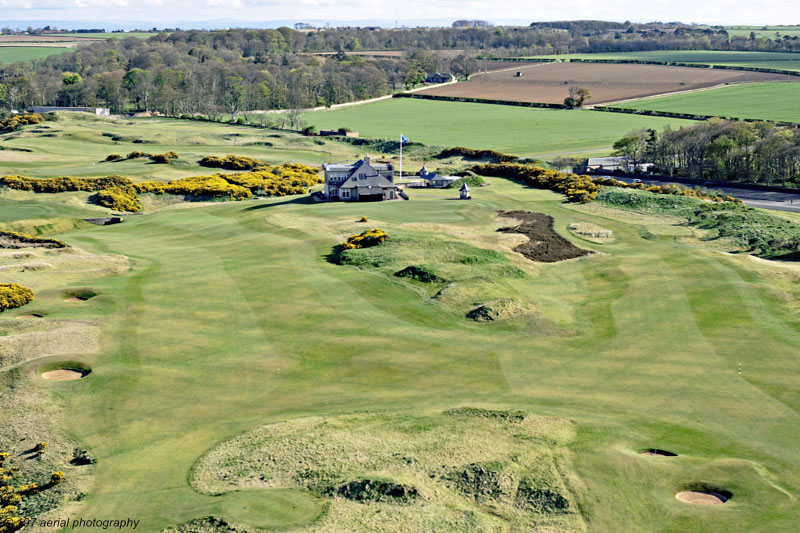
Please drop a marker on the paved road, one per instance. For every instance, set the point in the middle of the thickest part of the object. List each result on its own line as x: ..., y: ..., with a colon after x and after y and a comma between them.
x: 776, y: 201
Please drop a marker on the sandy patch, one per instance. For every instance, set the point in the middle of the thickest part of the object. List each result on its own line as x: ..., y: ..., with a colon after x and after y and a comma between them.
x: 64, y: 374
x: 701, y: 498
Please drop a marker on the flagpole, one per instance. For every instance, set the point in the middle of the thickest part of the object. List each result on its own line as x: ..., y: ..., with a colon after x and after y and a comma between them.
x: 401, y: 157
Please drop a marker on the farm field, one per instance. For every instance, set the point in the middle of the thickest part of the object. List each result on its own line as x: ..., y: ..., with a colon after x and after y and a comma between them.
x: 514, y: 130
x: 211, y: 321
x: 778, y: 60
x: 762, y: 31
x: 108, y: 35
x: 767, y: 101
x: 12, y: 54
x: 551, y: 82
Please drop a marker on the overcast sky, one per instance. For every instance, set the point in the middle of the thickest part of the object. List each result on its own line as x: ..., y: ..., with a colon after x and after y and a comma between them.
x: 163, y: 13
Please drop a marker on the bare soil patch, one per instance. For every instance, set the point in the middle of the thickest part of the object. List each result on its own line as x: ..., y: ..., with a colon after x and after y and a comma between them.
x: 65, y: 374
x: 550, y: 83
x: 701, y: 498
x: 544, y: 244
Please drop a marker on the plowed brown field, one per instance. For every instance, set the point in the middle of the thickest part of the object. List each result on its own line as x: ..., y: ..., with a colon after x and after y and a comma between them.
x: 550, y: 82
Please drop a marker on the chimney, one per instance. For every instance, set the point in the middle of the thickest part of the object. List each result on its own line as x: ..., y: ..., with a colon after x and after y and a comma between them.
x: 366, y: 158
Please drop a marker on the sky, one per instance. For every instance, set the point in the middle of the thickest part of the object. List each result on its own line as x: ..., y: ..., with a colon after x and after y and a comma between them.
x: 166, y: 13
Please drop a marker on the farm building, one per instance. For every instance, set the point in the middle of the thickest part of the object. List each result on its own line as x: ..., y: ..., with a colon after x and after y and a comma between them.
x: 432, y: 179
x: 609, y: 164
x: 439, y: 77
x: 99, y: 111
x: 363, y: 181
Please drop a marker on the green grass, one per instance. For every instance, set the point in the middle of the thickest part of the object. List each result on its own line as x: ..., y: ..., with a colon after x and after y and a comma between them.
x: 515, y: 130
x: 778, y: 60
x: 12, y: 54
x: 766, y: 101
x: 231, y: 318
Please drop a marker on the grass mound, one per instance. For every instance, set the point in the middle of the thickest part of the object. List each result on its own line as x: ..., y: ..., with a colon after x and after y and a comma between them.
x: 498, y: 310
x: 476, y: 412
x: 757, y: 232
x: 451, y: 272
x: 419, y: 273
x: 447, y: 472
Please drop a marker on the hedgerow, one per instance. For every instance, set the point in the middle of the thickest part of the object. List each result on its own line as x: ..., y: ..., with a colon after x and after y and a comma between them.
x: 63, y: 183
x: 15, y: 122
x: 120, y: 193
x: 577, y: 188
x: 13, y: 295
x: 164, y: 158
x: 469, y: 153
x: 23, y: 238
x: 232, y: 162
x: 584, y: 189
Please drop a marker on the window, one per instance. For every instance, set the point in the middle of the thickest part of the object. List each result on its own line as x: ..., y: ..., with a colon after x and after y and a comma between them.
x: 345, y: 193
x: 362, y: 176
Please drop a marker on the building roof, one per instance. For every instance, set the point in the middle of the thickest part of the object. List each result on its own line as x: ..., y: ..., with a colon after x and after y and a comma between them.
x: 608, y: 160
x: 464, y: 188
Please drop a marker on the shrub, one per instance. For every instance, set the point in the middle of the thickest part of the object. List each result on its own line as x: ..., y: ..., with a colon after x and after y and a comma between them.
x: 12, y: 296
x: 18, y: 240
x: 576, y: 188
x: 363, y: 219
x: 469, y: 153
x: 63, y: 183
x: 231, y: 162
x: 56, y: 477
x: 113, y: 157
x: 366, y: 239
x: 119, y: 199
x: 14, y: 122
x: 138, y: 155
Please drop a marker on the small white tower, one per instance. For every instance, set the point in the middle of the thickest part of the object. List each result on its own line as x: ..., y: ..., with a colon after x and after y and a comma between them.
x: 465, y: 192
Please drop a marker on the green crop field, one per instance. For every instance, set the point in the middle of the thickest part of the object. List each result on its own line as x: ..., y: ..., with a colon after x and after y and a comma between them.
x: 11, y: 54
x: 237, y: 369
x: 767, y: 101
x: 515, y: 130
x: 776, y: 60
x: 763, y: 31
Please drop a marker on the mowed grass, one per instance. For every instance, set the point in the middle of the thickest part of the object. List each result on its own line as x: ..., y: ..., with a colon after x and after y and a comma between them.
x: 766, y: 101
x: 515, y: 130
x: 12, y: 54
x: 232, y: 318
x: 777, y: 60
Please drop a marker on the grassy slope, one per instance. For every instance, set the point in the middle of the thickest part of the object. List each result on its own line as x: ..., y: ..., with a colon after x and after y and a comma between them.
x: 768, y: 101
x: 212, y: 335
x: 12, y: 54
x: 515, y: 130
x: 75, y: 145
x: 779, y: 60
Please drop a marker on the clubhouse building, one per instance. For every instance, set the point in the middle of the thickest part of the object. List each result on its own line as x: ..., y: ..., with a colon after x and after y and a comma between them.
x: 363, y: 181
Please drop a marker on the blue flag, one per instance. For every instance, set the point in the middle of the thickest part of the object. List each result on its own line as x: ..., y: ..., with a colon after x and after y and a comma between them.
x: 403, y: 139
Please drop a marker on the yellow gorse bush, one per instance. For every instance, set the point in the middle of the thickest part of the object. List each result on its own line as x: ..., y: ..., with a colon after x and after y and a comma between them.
x: 119, y: 193
x: 13, y: 295
x: 15, y: 122
x: 371, y: 237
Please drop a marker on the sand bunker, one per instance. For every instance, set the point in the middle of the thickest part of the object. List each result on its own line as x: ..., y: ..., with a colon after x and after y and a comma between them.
x: 661, y: 453
x: 544, y: 243
x: 702, y: 498
x: 76, y: 299
x: 31, y: 315
x: 65, y: 374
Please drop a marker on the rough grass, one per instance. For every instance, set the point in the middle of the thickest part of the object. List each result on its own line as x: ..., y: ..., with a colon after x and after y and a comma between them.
x: 467, y: 469
x: 752, y: 230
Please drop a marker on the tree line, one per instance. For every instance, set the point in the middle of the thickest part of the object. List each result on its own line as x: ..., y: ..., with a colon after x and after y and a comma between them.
x: 720, y: 150
x: 232, y: 72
